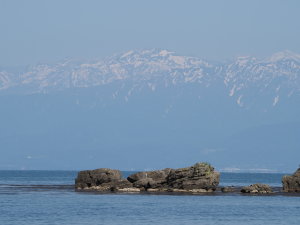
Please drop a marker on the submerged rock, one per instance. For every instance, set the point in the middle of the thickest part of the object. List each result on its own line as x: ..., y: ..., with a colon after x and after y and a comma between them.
x: 291, y: 183
x: 228, y: 189
x: 198, y: 178
x: 257, y: 188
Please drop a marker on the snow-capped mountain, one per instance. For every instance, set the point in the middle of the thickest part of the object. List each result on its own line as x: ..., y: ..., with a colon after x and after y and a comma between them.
x: 151, y: 67
x: 157, y: 105
x: 277, y: 75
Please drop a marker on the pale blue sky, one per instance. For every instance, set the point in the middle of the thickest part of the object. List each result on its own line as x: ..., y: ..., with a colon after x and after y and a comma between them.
x: 35, y: 31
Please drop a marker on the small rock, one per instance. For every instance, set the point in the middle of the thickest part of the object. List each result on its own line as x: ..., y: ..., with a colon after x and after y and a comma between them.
x: 128, y: 189
x: 257, y: 188
x: 200, y: 190
x: 228, y: 189
x: 153, y: 190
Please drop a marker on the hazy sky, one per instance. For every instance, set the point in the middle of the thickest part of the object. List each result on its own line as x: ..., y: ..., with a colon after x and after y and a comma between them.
x: 35, y: 31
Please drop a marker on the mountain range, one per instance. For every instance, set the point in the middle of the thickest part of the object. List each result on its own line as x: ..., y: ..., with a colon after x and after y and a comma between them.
x: 144, y: 108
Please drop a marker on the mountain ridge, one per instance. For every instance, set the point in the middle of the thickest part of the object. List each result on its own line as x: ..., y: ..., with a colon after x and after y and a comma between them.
x: 150, y: 68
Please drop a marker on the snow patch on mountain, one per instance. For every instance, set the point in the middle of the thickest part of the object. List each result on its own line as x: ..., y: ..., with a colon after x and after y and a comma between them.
x: 276, y: 100
x: 284, y: 55
x: 5, y: 80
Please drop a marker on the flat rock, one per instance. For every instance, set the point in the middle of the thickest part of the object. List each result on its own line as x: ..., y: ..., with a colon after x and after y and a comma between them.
x: 228, y: 189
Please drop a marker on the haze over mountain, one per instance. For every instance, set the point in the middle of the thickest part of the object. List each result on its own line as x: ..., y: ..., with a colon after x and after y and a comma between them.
x: 151, y: 109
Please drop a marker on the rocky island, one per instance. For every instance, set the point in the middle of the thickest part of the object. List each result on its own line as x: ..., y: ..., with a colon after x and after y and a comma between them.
x: 199, y: 178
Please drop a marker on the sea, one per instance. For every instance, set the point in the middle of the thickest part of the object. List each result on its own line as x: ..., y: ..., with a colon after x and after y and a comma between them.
x: 48, y: 197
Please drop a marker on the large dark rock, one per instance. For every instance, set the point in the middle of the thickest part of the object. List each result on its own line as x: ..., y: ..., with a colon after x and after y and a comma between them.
x: 292, y: 183
x: 257, y: 188
x: 200, y: 177
x: 101, y: 179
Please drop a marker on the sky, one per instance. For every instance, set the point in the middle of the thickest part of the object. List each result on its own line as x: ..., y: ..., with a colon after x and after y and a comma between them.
x: 35, y: 31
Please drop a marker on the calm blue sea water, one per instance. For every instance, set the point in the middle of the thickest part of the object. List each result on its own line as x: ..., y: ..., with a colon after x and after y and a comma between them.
x: 48, y: 197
